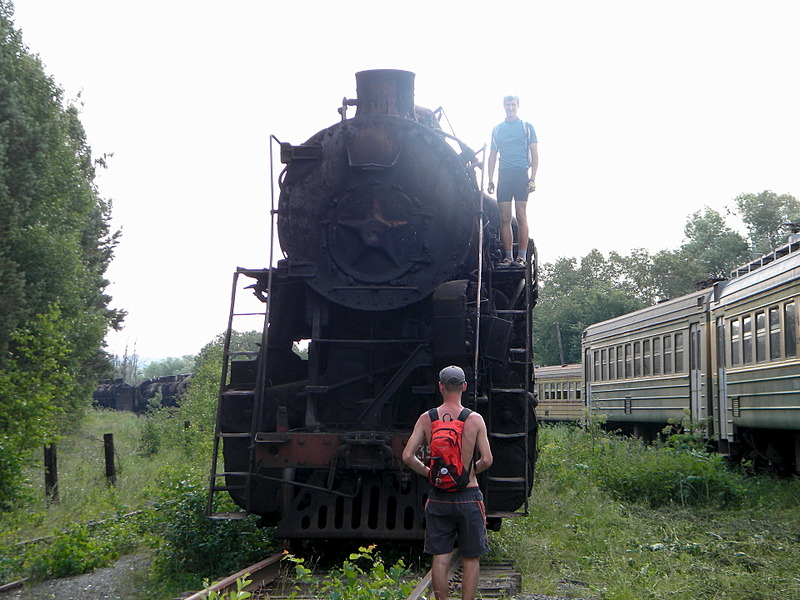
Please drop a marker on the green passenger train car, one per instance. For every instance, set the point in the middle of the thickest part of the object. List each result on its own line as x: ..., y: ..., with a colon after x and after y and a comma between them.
x: 755, y: 354
x: 650, y: 367
x: 725, y: 357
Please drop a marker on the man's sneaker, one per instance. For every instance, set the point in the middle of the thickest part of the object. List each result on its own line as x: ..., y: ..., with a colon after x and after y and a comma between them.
x: 505, y: 263
x: 519, y: 262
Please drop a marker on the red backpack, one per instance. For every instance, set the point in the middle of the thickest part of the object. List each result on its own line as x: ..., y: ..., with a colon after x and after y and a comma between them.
x: 447, y: 472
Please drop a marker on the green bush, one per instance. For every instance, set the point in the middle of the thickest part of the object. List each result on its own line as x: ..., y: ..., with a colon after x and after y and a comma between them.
x: 186, y: 541
x: 237, y: 594
x: 592, y: 532
x: 362, y: 576
x: 657, y: 476
x: 78, y: 549
x: 70, y: 553
x: 632, y: 471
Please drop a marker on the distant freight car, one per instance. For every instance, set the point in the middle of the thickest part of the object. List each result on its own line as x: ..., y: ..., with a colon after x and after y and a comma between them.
x: 118, y: 395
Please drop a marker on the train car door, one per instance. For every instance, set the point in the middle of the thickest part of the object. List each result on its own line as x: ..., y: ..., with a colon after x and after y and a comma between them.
x: 721, y: 394
x: 695, y: 371
x: 587, y: 380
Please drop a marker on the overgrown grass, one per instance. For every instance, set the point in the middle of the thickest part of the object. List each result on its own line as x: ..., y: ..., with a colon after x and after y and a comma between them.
x: 162, y: 462
x: 156, y: 506
x: 613, y: 519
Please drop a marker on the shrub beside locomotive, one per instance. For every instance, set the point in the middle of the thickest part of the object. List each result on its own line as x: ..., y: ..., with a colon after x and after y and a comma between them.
x: 388, y: 276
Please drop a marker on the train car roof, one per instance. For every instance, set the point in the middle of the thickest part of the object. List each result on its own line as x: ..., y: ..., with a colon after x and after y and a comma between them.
x: 663, y: 313
x: 558, y: 371
x: 769, y: 271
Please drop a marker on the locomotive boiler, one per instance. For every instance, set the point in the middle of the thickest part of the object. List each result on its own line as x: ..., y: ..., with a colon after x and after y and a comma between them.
x: 390, y: 273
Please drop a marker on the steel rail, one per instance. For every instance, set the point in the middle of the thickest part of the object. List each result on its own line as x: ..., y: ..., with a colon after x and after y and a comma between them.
x: 258, y: 574
x: 426, y: 582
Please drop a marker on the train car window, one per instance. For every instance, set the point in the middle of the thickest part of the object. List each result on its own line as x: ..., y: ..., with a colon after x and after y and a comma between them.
x: 679, y: 352
x: 761, y: 336
x: 736, y: 343
x: 596, y: 357
x: 774, y: 333
x: 646, y: 357
x: 747, y: 339
x: 720, y: 343
x: 628, y: 360
x: 612, y: 363
x: 667, y: 354
x: 790, y: 329
x: 656, y: 356
x: 604, y: 364
x: 620, y: 361
x: 558, y: 391
x: 577, y: 392
x: 571, y: 391
x: 637, y: 359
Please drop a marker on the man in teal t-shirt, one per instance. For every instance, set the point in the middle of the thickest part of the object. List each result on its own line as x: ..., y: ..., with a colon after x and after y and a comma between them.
x: 516, y: 142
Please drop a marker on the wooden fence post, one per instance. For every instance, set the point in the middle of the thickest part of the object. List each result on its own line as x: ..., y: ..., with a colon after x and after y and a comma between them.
x: 51, y: 474
x: 108, y: 446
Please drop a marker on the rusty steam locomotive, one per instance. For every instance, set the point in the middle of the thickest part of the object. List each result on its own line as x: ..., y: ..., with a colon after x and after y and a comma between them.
x: 390, y: 273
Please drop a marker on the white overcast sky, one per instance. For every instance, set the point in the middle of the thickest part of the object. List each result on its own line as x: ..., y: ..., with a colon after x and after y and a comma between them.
x: 646, y: 111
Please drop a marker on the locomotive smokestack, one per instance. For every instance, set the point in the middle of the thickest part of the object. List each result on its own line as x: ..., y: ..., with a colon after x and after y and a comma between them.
x: 385, y: 92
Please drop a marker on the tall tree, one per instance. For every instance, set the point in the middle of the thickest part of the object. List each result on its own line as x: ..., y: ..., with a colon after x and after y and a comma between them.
x: 764, y: 215
x: 173, y: 365
x: 55, y: 246
x: 573, y: 296
x: 710, y: 249
x: 715, y: 247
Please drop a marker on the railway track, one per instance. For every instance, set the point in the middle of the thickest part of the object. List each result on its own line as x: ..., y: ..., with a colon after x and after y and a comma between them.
x: 270, y: 579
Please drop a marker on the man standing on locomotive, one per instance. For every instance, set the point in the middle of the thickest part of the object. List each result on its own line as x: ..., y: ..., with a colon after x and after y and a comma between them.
x: 451, y: 514
x: 516, y: 142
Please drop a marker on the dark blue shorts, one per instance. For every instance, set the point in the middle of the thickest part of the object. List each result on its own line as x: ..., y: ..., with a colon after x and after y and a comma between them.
x: 512, y: 184
x: 456, y: 515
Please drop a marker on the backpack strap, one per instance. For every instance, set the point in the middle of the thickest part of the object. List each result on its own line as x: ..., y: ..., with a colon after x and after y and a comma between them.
x: 433, y: 414
x: 463, y: 416
x: 527, y: 128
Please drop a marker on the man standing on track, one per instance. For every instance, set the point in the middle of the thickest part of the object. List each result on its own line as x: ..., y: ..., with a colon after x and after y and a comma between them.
x: 516, y: 142
x: 454, y: 514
